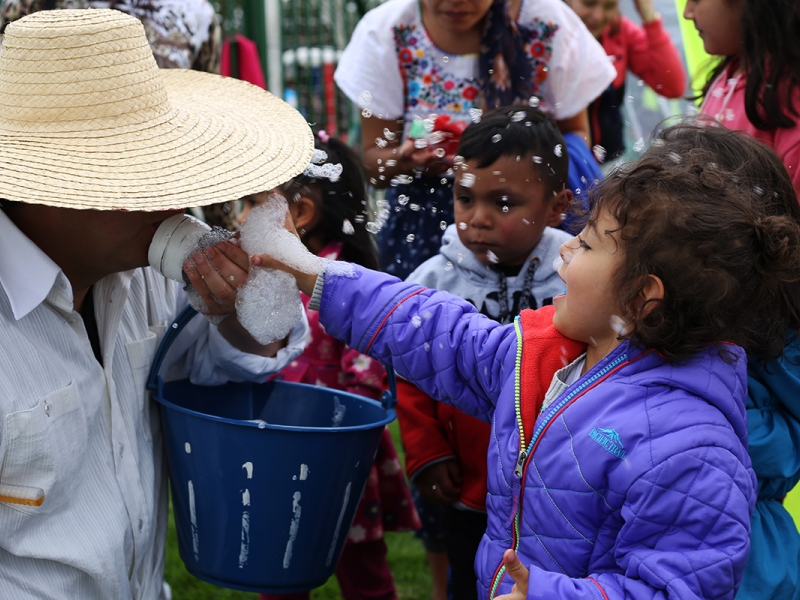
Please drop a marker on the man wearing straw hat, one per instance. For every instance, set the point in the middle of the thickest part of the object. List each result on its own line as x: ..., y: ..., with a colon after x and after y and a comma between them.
x: 97, y: 148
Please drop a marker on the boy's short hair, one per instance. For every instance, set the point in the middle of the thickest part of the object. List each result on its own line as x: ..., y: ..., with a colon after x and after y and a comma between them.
x: 714, y: 215
x: 519, y: 130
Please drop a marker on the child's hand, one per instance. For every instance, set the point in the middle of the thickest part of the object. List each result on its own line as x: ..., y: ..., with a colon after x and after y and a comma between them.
x: 519, y: 574
x: 440, y: 483
x: 426, y: 159
x: 646, y: 10
x: 305, y: 281
x: 217, y: 272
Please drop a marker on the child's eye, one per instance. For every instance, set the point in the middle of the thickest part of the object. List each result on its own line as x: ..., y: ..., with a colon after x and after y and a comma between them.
x: 582, y: 243
x: 463, y: 199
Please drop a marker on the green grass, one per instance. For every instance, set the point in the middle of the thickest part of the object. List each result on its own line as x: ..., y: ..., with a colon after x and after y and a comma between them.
x: 406, y: 559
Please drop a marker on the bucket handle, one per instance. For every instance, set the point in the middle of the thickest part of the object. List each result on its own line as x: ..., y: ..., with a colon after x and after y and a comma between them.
x: 388, y: 399
x: 178, y: 324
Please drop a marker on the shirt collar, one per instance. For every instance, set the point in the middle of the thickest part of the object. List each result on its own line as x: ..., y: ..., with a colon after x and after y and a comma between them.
x: 27, y: 274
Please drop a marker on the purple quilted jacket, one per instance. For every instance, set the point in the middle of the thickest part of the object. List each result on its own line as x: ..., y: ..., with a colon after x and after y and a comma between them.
x: 639, y: 484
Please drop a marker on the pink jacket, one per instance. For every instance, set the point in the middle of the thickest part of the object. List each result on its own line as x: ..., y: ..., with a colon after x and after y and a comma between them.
x: 648, y: 52
x: 725, y: 102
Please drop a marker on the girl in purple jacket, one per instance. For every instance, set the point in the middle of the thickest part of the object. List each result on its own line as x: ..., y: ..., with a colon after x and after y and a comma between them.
x: 618, y: 463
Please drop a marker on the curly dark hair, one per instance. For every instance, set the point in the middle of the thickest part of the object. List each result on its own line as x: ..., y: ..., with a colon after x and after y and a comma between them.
x: 524, y: 131
x: 344, y: 199
x: 769, y: 57
x: 714, y: 215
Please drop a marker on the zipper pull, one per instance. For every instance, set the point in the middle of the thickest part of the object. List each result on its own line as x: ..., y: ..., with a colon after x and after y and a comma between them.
x: 523, y: 456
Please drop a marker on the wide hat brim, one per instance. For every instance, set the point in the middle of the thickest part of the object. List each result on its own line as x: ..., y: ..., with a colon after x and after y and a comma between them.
x: 220, y: 139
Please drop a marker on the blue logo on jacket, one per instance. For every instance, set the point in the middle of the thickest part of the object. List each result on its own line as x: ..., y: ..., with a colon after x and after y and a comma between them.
x: 609, y: 440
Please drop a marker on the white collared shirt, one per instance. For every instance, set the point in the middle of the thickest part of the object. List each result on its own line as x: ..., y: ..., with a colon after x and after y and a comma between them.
x: 89, y: 435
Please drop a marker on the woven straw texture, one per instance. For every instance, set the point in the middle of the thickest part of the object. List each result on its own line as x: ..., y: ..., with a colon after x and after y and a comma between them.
x: 88, y: 121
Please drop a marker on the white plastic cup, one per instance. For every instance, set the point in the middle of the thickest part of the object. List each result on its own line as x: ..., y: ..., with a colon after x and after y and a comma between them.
x: 172, y: 244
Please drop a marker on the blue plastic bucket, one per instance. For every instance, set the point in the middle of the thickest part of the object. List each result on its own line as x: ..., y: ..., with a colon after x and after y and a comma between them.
x: 265, y: 478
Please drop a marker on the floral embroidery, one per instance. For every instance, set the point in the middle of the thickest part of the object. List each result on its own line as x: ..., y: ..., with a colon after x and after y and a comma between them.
x: 363, y: 363
x: 430, y: 85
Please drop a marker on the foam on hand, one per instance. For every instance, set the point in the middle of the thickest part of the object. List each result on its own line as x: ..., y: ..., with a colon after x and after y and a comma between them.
x: 268, y: 305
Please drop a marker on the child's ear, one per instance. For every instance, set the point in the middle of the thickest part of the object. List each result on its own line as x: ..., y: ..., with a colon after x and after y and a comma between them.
x: 652, y: 292
x: 559, y: 206
x: 304, y: 213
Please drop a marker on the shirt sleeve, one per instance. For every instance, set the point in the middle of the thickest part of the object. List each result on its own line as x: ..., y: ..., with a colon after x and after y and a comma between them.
x: 653, y: 57
x: 579, y: 70
x: 203, y: 355
x: 368, y: 72
x: 437, y: 341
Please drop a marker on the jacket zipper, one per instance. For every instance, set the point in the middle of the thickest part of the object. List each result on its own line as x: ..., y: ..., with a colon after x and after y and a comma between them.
x: 521, y: 467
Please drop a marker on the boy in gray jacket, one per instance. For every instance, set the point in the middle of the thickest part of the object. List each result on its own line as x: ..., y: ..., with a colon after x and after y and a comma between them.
x: 510, y: 192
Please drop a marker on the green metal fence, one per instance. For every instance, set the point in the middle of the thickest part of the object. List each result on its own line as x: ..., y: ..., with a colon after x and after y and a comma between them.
x: 300, y: 42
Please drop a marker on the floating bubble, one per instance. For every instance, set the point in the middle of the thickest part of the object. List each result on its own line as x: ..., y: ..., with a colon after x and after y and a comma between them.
x: 557, y: 262
x: 537, y: 160
x: 347, y: 227
x: 496, y: 138
x: 599, y: 153
x: 366, y: 113
x: 758, y: 190
x: 364, y: 98
x: 445, y: 59
x: 638, y: 145
x: 442, y: 225
x: 462, y: 226
x: 492, y: 257
x: 475, y: 114
x: 380, y: 142
x: 420, y: 143
x: 518, y: 116
x: 468, y: 179
x: 389, y: 135
x: 402, y: 199
x: 533, y: 101
x: 391, y: 163
x: 618, y: 325
x: 440, y: 152
x: 674, y: 157
x: 401, y: 180
x: 416, y: 321
x: 410, y: 237
x: 449, y: 266
x: 558, y: 151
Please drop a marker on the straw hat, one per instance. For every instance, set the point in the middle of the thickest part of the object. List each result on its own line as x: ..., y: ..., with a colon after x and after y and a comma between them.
x: 87, y: 120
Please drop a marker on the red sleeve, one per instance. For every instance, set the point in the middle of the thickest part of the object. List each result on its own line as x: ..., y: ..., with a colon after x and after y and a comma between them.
x: 653, y: 57
x: 423, y: 435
